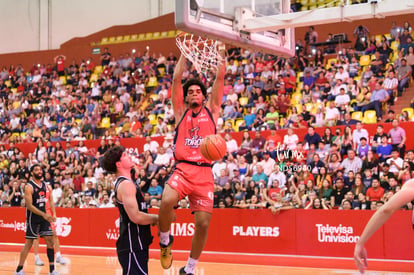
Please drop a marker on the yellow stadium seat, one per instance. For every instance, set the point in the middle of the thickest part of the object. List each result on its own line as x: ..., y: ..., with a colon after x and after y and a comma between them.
x: 296, y: 98
x: 394, y: 45
x: 127, y: 38
x: 370, y: 116
x: 94, y: 77
x: 364, y: 60
x: 98, y: 69
x: 237, y: 124
x: 410, y: 112
x: 309, y: 107
x: 154, y: 97
x: 16, y: 104
x: 105, y: 40
x: 357, y: 116
x: 330, y: 62
x: 62, y: 79
x: 153, y: 119
x: 243, y: 100
x: 105, y: 122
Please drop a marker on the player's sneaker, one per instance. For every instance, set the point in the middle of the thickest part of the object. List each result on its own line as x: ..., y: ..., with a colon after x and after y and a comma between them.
x: 61, y: 260
x: 39, y: 261
x: 182, y: 271
x: 166, y: 256
x: 21, y: 272
x: 54, y: 272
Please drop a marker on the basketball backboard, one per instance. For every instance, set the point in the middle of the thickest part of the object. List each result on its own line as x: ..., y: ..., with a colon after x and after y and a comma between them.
x: 224, y: 20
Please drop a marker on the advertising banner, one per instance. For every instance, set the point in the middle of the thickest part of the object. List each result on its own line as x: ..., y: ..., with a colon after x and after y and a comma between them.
x: 331, y: 233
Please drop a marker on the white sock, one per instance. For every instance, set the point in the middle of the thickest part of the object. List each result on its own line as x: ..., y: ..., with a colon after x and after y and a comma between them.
x: 191, y: 265
x: 165, y: 238
x: 37, y: 256
x: 58, y: 255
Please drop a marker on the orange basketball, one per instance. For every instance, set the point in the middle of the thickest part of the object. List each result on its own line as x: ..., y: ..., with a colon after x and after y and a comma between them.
x: 213, y: 147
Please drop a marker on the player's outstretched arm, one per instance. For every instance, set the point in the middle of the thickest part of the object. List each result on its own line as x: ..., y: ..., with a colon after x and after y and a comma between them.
x: 177, y: 95
x: 217, y: 90
x: 404, y: 196
x: 126, y: 193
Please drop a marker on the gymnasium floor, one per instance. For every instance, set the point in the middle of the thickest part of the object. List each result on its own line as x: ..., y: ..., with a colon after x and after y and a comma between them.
x: 81, y: 262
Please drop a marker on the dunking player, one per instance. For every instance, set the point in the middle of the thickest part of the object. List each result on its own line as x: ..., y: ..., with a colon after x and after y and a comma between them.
x: 59, y: 259
x: 38, y: 221
x: 192, y: 175
x: 401, y: 198
x: 134, y: 233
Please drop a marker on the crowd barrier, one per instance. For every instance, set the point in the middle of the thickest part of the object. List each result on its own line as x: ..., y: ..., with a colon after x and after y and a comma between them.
x: 292, y: 232
x: 138, y: 143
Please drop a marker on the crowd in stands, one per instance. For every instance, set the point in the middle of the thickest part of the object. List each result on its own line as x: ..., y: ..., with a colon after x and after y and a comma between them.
x: 128, y: 96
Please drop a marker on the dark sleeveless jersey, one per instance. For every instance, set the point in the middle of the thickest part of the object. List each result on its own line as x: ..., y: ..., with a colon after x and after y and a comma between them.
x: 38, y: 199
x: 190, y: 131
x: 132, y: 237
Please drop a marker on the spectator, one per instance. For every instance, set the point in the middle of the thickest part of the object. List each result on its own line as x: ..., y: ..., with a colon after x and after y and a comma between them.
x: 398, y: 137
x: 395, y: 163
x: 278, y: 175
x: 378, y: 97
x: 404, y: 73
x: 358, y: 133
x: 258, y: 143
x: 259, y: 177
x: 155, y: 190
x: 351, y: 163
x: 290, y: 140
x: 312, y: 137
x: 338, y: 193
x: 375, y: 192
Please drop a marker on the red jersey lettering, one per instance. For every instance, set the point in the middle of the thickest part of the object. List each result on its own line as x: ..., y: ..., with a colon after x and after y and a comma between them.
x: 190, y: 132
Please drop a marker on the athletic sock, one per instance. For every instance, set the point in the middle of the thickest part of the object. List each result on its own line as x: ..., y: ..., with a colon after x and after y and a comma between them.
x: 58, y: 254
x: 19, y: 267
x: 51, y: 256
x: 190, y: 266
x: 165, y: 238
x: 37, y: 256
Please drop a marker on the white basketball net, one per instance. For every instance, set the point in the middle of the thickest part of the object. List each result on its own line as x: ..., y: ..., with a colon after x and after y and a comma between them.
x: 203, y: 53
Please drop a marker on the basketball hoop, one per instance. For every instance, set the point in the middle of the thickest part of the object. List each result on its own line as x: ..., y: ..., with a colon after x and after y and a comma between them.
x: 203, y: 53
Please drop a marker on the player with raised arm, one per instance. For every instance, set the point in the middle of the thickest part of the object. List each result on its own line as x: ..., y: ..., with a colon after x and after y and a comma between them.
x: 192, y: 176
x: 38, y: 221
x: 401, y: 198
x: 134, y: 232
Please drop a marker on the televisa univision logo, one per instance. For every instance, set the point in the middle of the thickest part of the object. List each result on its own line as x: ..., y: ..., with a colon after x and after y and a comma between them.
x: 336, y: 234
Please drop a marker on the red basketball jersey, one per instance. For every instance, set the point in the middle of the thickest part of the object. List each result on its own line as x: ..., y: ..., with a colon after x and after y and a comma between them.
x: 190, y: 131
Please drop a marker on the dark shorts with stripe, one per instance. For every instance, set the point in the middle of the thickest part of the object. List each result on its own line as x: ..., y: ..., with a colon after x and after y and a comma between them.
x: 134, y: 263
x: 37, y: 226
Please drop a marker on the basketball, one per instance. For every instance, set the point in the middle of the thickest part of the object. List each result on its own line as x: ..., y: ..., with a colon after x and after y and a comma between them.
x: 213, y: 147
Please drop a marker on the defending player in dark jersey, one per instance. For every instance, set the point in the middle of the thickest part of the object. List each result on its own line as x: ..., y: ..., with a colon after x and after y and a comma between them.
x: 134, y: 233
x: 192, y: 176
x: 37, y: 220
